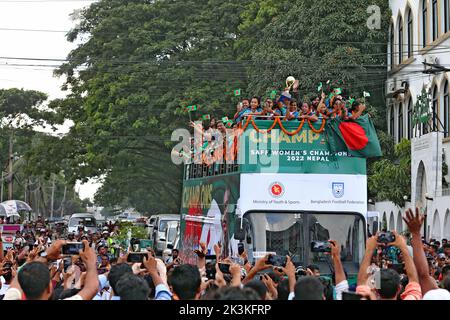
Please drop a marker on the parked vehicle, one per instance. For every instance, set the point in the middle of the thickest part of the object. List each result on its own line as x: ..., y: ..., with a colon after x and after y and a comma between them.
x: 172, y: 231
x: 158, y: 225
x: 87, y: 220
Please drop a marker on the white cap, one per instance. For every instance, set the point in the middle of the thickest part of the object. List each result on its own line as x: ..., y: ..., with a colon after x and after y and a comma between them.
x: 437, y: 294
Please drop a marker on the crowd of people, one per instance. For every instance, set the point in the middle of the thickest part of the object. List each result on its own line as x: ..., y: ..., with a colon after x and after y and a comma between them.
x: 405, y: 269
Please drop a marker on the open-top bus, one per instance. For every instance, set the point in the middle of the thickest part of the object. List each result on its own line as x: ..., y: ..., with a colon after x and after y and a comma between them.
x: 284, y: 190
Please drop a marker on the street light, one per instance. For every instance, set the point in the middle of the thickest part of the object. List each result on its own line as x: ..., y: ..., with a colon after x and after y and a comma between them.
x: 428, y: 198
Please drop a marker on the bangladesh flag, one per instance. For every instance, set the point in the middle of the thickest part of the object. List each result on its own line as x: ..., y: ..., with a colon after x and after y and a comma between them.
x: 357, y: 137
x: 237, y: 92
x: 192, y: 108
x: 206, y: 117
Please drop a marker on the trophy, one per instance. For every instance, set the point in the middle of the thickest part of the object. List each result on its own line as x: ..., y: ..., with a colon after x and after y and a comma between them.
x: 290, y: 82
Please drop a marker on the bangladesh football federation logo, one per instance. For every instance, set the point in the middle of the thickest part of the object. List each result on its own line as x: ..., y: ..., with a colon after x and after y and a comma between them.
x: 276, y: 189
x: 338, y: 189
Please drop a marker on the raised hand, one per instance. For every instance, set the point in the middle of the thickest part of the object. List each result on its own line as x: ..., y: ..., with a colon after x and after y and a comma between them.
x: 414, y: 222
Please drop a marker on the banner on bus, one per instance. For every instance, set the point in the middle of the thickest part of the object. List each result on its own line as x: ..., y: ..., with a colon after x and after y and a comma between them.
x: 303, y: 192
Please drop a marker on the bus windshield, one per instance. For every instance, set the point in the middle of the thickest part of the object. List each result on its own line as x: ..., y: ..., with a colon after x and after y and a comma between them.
x: 292, y: 233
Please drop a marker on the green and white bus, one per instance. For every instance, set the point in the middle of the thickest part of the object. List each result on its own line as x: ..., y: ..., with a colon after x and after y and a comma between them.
x: 285, y: 190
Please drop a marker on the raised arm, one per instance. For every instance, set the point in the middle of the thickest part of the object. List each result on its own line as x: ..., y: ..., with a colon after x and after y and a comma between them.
x: 414, y: 223
x: 371, y: 245
x: 411, y: 271
x: 89, y: 258
x: 336, y: 258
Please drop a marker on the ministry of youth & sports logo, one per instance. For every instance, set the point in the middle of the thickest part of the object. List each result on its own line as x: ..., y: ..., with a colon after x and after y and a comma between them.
x: 338, y: 189
x: 276, y: 189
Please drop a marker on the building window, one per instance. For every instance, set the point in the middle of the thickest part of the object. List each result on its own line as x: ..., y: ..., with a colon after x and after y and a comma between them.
x: 424, y: 23
x: 446, y: 15
x: 391, y: 124
x: 446, y: 111
x: 400, y: 122
x: 410, y: 33
x: 435, y: 107
x: 435, y: 20
x: 400, y: 40
x: 410, y: 129
x: 391, y: 45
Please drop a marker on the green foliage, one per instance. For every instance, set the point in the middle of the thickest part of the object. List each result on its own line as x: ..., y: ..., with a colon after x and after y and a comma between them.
x: 391, y: 179
x: 137, y: 232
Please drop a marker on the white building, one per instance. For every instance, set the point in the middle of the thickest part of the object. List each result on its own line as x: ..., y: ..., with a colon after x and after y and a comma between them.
x: 420, y: 32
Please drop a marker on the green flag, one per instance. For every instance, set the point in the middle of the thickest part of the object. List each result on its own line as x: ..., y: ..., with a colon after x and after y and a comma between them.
x: 225, y: 120
x: 192, y: 108
x: 237, y: 92
x: 357, y: 137
x: 319, y: 88
x: 206, y: 117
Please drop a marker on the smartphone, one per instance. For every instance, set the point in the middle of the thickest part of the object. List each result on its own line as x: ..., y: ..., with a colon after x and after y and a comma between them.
x: 320, y: 246
x: 277, y: 261
x: 224, y: 267
x: 241, y: 248
x: 386, y: 237
x: 72, y: 248
x: 351, y: 296
x: 136, y: 257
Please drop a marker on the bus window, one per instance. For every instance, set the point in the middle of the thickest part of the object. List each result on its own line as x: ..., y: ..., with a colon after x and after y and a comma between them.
x: 291, y: 234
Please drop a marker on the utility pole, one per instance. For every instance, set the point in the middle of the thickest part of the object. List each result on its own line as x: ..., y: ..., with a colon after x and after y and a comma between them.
x: 11, y: 174
x: 63, y: 201
x: 1, y: 192
x: 53, y: 196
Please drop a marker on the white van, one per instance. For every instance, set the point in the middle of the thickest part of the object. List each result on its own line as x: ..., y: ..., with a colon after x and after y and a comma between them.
x: 87, y: 220
x: 159, y: 225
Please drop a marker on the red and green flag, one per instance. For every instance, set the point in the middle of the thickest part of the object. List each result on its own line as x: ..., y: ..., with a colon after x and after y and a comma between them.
x: 206, y: 117
x: 337, y: 91
x: 237, y: 92
x: 192, y: 108
x: 357, y: 137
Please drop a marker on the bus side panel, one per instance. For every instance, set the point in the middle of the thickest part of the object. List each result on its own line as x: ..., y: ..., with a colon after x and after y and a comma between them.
x: 208, y: 209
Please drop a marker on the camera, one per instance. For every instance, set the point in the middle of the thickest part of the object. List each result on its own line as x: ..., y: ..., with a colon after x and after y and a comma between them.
x: 320, y: 246
x: 300, y: 271
x: 386, y: 237
x: 224, y: 267
x: 241, y: 248
x: 277, y: 261
x: 136, y: 257
x: 72, y: 248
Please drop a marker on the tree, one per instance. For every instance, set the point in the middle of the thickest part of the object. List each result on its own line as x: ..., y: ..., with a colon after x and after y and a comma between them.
x: 131, y: 81
x: 391, y: 179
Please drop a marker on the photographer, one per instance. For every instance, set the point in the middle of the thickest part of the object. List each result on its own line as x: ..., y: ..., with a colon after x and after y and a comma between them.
x: 389, y: 286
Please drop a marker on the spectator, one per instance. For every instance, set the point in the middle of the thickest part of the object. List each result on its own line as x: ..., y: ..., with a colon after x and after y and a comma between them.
x: 309, y: 288
x: 116, y: 272
x: 259, y: 287
x: 185, y: 282
x: 389, y: 287
x: 132, y: 287
x: 233, y: 294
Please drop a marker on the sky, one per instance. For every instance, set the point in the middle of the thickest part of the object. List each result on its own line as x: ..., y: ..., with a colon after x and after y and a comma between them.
x: 17, y: 40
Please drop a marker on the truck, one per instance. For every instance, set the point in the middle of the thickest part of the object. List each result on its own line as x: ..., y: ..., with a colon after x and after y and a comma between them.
x: 284, y: 189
